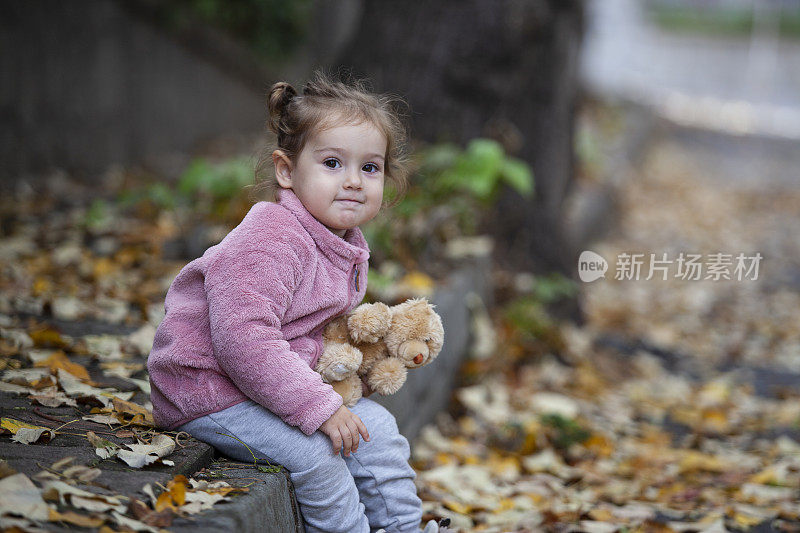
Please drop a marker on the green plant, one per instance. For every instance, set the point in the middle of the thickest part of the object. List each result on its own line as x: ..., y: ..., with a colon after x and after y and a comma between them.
x: 566, y: 431
x: 204, y: 188
x: 98, y: 216
x: 217, y: 181
x: 528, y: 315
x: 479, y: 171
x: 265, y: 469
x: 450, y: 188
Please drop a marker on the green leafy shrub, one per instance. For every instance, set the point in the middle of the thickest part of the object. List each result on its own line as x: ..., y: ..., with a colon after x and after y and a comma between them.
x: 449, y: 190
x: 206, y: 189
x: 565, y: 431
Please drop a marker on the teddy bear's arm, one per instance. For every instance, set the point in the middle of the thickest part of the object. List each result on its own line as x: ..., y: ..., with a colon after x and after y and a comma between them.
x: 387, y: 376
x: 369, y: 322
x: 349, y: 389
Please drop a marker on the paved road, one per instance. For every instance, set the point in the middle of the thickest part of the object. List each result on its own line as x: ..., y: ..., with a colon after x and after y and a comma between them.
x: 749, y: 84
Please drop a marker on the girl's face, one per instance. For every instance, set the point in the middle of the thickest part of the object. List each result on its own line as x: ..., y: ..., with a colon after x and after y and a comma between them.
x: 338, y: 175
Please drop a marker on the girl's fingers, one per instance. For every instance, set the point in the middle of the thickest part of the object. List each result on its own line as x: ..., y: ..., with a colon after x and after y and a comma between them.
x: 348, y: 440
x: 336, y: 439
x: 353, y: 428
x: 362, y: 428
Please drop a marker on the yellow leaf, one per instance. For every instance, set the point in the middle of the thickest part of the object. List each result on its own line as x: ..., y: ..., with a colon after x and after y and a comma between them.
x: 765, y: 477
x: 41, y: 286
x: 600, y: 445
x: 418, y: 283
x: 164, y: 501
x: 44, y: 336
x: 506, y: 468
x: 457, y: 506
x: 13, y: 425
x: 60, y: 360
x: 715, y: 420
x: 693, y: 461
x: 601, y: 515
x: 505, y: 504
x: 746, y: 521
x: 177, y: 489
x: 103, y: 267
x: 443, y: 458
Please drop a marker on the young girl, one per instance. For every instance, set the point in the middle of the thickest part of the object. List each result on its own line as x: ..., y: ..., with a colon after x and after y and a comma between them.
x: 235, y: 353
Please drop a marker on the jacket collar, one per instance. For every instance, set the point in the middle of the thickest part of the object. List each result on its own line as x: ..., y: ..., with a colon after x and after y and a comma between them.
x: 343, y: 252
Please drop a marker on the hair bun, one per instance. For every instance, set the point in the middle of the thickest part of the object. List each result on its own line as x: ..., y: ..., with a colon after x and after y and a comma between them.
x: 279, y: 97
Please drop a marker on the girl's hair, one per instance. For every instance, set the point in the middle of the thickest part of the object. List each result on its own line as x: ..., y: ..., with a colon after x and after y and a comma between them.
x: 326, y: 103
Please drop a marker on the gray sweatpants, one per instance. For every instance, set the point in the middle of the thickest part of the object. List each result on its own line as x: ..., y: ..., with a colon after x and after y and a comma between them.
x: 371, y: 489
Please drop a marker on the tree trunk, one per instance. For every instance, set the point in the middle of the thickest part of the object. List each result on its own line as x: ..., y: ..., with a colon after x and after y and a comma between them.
x: 505, y: 69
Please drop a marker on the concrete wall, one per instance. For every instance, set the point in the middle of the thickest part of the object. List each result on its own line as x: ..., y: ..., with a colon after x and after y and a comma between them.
x: 87, y: 84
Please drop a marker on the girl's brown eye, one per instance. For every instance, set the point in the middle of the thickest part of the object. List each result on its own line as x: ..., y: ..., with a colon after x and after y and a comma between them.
x: 335, y: 162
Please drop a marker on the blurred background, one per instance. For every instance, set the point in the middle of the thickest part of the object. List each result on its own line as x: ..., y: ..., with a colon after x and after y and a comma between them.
x: 539, y: 129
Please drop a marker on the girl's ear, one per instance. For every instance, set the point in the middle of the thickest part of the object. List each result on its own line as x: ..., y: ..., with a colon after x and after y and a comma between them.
x: 283, y: 169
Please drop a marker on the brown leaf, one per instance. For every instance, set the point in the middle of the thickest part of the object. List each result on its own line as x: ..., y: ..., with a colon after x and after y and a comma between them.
x: 134, y: 414
x: 45, y: 337
x: 5, y: 469
x: 94, y: 520
x: 60, y: 360
x: 144, y: 514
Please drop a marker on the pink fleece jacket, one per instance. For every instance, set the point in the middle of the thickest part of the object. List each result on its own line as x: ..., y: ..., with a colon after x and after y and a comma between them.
x: 245, y: 320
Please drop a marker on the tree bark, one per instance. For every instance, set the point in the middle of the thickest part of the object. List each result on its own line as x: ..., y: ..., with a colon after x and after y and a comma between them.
x: 505, y: 69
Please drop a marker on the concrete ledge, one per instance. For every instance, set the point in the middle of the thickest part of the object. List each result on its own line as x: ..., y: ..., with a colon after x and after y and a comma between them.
x: 269, y: 504
x: 427, y: 390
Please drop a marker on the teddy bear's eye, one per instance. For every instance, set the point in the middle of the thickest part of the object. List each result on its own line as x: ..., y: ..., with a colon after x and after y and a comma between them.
x: 426, y: 340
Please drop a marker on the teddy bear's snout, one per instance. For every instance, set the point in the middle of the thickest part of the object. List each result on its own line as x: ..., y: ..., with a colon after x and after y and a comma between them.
x: 414, y: 353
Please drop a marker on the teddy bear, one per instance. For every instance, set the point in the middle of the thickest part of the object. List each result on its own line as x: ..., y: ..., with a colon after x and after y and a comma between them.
x: 378, y: 344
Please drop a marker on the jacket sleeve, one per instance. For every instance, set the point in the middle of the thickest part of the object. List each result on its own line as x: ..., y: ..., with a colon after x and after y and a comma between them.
x: 248, y: 293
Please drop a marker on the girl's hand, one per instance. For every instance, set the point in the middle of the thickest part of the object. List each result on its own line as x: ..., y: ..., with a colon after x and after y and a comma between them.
x: 343, y: 428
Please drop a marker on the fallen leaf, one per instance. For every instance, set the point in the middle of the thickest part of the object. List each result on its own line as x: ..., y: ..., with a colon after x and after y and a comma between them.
x: 53, y: 397
x: 13, y: 525
x: 62, y: 463
x: 19, y: 496
x: 26, y: 433
x: 13, y: 388
x: 138, y: 414
x: 102, y: 419
x: 79, y: 498
x: 130, y: 523
x: 76, y: 518
x: 103, y: 448
x: 58, y: 359
x: 5, y: 469
x: 74, y: 387
x: 148, y: 516
x: 45, y: 336
x: 141, y: 455
x: 82, y: 473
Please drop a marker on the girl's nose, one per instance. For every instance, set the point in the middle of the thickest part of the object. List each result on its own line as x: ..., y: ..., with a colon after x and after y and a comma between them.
x: 353, y: 180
